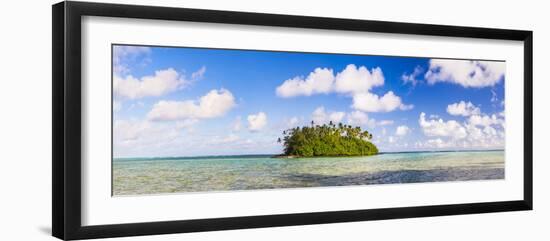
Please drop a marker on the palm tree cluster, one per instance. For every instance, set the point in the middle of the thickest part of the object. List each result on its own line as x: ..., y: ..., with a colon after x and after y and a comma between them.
x: 327, y: 140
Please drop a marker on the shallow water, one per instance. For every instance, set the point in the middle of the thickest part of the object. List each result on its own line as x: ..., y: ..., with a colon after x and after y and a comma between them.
x: 198, y: 174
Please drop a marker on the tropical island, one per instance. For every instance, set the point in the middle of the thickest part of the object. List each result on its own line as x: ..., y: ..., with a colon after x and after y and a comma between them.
x: 327, y: 141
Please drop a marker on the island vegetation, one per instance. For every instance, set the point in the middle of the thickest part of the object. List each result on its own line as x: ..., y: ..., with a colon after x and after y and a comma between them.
x: 327, y: 140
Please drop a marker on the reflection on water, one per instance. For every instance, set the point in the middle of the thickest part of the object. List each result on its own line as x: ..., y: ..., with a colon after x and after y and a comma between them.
x: 149, y: 176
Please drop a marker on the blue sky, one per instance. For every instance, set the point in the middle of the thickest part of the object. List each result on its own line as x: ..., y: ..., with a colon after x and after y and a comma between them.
x: 192, y: 101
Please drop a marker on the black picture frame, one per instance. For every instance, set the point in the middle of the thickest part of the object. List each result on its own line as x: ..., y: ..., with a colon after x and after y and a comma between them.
x: 66, y: 157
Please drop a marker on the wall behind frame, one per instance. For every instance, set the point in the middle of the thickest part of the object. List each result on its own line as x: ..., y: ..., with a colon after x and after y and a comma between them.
x: 25, y: 119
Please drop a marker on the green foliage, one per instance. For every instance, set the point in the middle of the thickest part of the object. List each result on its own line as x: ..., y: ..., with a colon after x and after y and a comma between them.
x: 327, y: 140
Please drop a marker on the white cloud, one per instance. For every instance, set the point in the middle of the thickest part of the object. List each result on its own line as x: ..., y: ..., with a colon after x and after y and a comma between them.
x: 479, y: 131
x: 133, y: 138
x: 214, y: 104
x: 336, y: 116
x: 412, y: 78
x: 485, y: 137
x: 485, y: 120
x: 125, y: 51
x: 164, y: 81
x: 354, y: 80
x: 293, y: 121
x: 402, y: 130
x: 256, y: 122
x: 199, y: 73
x: 406, y: 107
x: 369, y: 102
x: 288, y: 123
x: 360, y: 118
x: 323, y: 81
x: 320, y: 116
x: 463, y: 108
x: 442, y: 128
x: 123, y: 54
x: 436, y: 143
x: 466, y: 73
x: 129, y: 130
x: 385, y: 122
x: 319, y: 81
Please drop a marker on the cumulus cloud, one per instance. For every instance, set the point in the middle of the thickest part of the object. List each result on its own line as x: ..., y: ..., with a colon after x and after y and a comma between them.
x: 124, y: 51
x: 402, y: 130
x: 352, y: 79
x: 385, y: 122
x: 164, y: 81
x: 463, y: 109
x: 143, y: 137
x: 161, y: 82
x: 440, y: 127
x: 292, y: 122
x: 355, y: 80
x: 466, y: 73
x: 129, y: 130
x: 435, y: 143
x: 485, y: 120
x: 123, y: 54
x: 320, y: 81
x: 360, y: 118
x: 214, y: 104
x: 320, y: 116
x: 412, y: 78
x: 369, y: 102
x: 257, y: 122
x: 478, y: 131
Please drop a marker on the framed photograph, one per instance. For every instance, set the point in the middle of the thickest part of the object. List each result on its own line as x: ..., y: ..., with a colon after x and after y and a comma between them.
x: 170, y: 120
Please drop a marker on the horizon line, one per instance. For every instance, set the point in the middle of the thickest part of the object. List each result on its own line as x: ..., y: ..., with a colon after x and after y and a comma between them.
x: 264, y: 154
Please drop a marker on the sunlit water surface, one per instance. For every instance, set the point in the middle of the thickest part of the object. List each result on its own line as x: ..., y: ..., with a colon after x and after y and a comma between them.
x: 224, y: 173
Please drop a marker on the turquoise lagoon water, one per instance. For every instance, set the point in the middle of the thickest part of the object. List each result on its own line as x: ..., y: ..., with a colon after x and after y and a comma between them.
x: 133, y: 176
